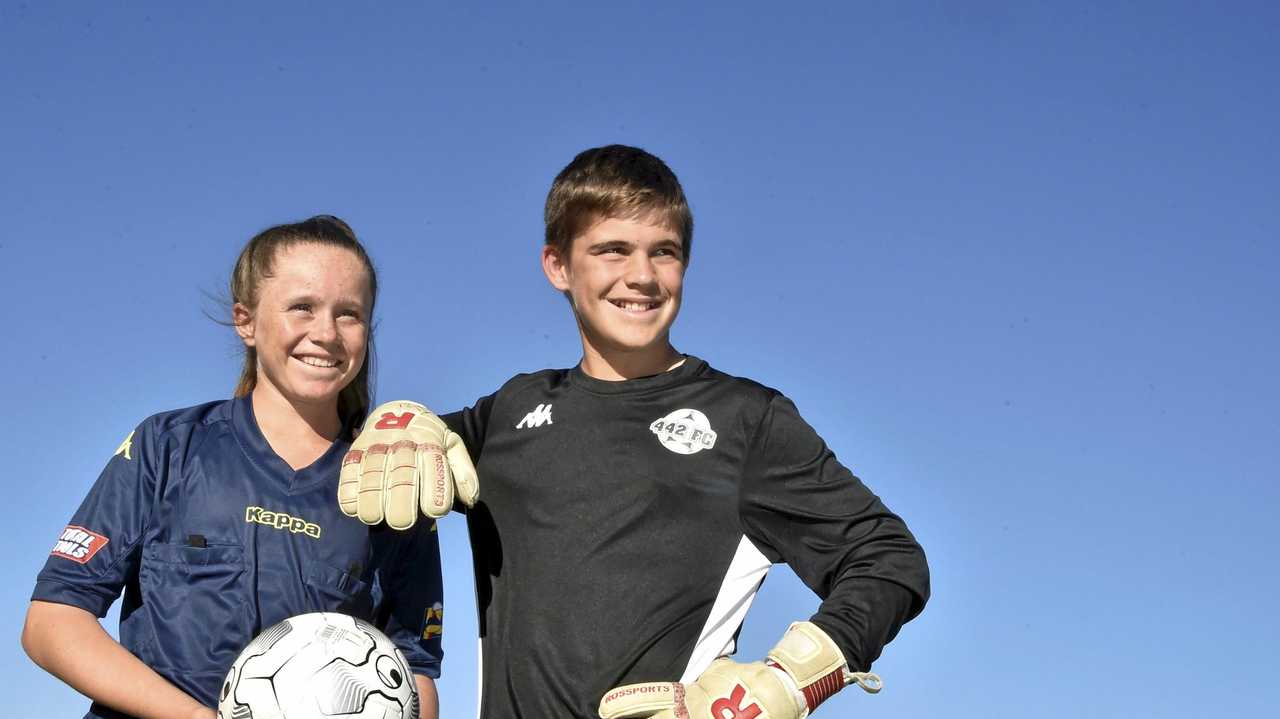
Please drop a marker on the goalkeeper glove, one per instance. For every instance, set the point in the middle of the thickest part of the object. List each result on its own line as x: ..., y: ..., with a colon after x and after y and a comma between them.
x: 804, y: 669
x: 405, y: 460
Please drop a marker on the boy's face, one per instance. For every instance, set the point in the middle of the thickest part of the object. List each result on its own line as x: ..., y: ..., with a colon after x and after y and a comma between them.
x: 624, y: 278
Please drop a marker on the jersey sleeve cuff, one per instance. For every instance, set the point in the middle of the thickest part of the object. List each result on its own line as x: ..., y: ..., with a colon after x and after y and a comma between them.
x: 429, y: 667
x: 95, y: 603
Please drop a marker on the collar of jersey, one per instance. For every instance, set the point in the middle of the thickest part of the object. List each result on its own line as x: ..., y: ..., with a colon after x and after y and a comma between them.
x: 691, y: 367
x: 255, y: 446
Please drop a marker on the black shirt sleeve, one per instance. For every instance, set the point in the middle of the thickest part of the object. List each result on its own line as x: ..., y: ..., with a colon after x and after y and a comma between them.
x: 805, y: 508
x: 471, y: 424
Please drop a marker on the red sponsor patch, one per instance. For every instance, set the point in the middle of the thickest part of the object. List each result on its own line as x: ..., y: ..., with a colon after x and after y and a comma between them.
x: 78, y: 544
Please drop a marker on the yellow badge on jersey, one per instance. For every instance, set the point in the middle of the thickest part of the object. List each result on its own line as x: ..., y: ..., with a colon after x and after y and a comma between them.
x: 433, y: 621
x: 125, y: 446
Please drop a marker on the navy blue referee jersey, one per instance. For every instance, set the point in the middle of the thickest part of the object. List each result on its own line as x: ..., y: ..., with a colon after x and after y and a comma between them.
x: 212, y: 537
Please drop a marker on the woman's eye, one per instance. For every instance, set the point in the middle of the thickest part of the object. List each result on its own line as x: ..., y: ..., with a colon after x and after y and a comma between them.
x: 300, y: 307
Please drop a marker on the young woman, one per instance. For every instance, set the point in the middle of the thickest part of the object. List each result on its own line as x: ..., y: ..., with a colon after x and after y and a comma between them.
x: 217, y: 521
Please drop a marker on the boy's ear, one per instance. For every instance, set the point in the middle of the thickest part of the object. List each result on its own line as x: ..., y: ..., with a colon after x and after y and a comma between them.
x: 556, y: 267
x: 242, y: 318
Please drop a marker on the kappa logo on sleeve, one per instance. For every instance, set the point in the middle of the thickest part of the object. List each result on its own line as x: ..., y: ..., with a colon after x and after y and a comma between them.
x: 125, y: 447
x: 78, y: 544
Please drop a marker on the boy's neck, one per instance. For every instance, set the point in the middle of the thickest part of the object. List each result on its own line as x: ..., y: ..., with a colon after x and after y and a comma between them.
x: 619, y: 366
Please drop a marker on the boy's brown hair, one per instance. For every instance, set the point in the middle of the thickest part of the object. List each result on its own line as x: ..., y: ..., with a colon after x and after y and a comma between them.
x: 615, y: 181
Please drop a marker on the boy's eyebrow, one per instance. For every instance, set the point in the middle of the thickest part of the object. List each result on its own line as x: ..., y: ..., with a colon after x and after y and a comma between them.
x: 611, y: 242
x: 666, y: 242
x: 671, y: 243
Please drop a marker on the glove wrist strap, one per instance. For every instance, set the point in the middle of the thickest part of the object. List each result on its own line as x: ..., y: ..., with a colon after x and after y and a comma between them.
x: 807, y: 698
x: 869, y: 682
x: 814, y: 665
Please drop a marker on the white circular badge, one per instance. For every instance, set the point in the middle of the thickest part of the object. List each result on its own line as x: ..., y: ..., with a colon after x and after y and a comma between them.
x: 684, y: 431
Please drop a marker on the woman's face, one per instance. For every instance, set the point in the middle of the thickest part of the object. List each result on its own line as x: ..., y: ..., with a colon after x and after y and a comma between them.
x: 311, y: 326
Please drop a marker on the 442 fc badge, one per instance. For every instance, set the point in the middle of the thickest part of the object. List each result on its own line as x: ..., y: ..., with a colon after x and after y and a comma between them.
x: 684, y: 431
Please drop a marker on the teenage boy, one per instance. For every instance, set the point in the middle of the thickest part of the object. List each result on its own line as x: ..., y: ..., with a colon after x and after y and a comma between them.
x: 633, y: 504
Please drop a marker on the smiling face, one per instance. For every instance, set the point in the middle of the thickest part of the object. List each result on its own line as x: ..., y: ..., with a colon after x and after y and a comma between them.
x: 624, y: 279
x: 310, y: 328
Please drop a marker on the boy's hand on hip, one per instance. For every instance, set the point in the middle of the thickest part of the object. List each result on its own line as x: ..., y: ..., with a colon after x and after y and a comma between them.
x: 803, y: 669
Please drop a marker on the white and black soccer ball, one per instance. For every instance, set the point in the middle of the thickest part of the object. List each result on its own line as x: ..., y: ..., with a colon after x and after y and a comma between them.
x: 317, y: 666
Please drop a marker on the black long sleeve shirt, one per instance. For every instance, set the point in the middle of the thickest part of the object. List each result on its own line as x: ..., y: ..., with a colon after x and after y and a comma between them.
x: 624, y: 527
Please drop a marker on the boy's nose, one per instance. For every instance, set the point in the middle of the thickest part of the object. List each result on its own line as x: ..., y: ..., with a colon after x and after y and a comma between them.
x: 640, y: 269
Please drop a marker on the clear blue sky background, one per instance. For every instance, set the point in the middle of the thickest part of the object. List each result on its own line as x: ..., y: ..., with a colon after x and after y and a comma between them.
x: 1017, y: 262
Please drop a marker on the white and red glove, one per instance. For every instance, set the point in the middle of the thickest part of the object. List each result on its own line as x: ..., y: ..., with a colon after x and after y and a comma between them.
x: 804, y: 669
x: 405, y: 460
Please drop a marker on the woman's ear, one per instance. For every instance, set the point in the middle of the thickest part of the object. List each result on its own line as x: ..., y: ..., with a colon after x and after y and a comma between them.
x: 242, y: 318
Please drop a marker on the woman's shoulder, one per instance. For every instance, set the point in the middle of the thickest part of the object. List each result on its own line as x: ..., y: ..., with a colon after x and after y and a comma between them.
x: 195, y: 418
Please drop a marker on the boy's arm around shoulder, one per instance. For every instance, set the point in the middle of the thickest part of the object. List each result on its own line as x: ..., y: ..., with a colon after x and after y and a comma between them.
x: 406, y: 460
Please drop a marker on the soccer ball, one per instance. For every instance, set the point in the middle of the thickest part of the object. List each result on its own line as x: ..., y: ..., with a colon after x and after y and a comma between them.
x: 317, y: 666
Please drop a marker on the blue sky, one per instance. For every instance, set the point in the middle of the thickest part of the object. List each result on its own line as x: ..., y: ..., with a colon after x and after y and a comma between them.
x: 1016, y: 263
